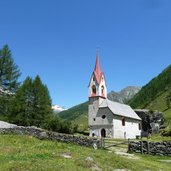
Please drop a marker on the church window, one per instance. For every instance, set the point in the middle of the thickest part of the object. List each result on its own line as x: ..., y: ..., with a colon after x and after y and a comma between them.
x: 93, y: 79
x: 94, y: 90
x: 94, y: 119
x: 139, y: 126
x: 102, y: 90
x: 103, y: 116
x: 123, y: 121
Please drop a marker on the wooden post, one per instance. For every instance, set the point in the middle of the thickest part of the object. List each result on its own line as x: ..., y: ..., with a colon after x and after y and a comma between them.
x: 128, y: 145
x: 102, y: 142
x: 148, y: 147
x: 141, y: 147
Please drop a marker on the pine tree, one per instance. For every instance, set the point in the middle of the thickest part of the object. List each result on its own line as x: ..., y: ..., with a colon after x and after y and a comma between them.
x: 32, y: 104
x: 9, y: 74
x: 23, y: 104
x: 42, y: 103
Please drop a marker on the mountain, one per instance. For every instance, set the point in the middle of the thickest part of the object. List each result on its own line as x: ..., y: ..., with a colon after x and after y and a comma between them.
x: 156, y: 95
x: 124, y: 95
x: 58, y: 109
x: 79, y: 113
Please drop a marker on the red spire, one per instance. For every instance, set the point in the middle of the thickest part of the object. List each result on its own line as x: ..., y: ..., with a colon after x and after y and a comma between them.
x: 97, y: 71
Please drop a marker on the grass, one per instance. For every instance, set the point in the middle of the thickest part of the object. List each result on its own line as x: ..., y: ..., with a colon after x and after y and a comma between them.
x: 25, y: 153
x: 158, y: 138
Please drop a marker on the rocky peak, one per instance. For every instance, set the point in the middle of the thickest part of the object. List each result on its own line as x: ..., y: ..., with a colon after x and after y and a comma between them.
x: 57, y: 108
x: 124, y: 95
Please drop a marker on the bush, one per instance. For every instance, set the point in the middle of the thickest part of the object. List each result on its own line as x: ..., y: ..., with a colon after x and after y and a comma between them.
x: 166, y: 131
x: 58, y: 125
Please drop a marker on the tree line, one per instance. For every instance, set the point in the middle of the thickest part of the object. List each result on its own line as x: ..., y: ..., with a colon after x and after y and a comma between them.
x: 28, y: 103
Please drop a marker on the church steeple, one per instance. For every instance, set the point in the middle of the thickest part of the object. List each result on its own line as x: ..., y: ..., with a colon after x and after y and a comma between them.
x: 97, y: 70
x: 97, y: 86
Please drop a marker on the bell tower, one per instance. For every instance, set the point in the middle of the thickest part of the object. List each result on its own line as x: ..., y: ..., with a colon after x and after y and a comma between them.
x: 97, y: 92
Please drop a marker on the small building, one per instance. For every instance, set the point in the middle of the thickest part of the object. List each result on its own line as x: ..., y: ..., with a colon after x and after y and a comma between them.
x: 107, y: 118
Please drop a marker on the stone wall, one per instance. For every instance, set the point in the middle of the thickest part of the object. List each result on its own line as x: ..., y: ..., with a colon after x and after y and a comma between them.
x: 153, y: 148
x: 42, y: 134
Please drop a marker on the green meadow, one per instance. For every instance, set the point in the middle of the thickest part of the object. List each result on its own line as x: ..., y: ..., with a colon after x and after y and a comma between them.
x: 26, y: 153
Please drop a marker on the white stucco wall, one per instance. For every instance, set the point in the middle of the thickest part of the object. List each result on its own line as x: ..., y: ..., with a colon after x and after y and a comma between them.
x: 130, y: 130
x: 98, y: 123
x: 96, y: 130
x: 113, y: 125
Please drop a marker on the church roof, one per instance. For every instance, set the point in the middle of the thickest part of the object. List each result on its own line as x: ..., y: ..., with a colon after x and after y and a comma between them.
x: 97, y: 70
x: 119, y: 109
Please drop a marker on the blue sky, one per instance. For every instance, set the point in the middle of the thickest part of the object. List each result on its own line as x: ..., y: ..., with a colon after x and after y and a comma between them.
x: 58, y: 40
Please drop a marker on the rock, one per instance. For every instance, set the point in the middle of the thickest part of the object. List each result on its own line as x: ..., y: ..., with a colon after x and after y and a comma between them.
x: 6, y: 125
x: 165, y: 161
x: 67, y: 156
x: 121, y: 170
x: 43, y: 135
x: 95, y: 146
x: 96, y: 168
x: 89, y: 159
x: 151, y: 121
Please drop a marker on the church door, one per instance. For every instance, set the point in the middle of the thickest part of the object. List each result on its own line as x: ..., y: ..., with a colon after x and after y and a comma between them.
x: 103, y: 133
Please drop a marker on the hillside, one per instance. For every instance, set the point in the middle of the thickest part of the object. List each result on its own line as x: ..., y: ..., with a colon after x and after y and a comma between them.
x: 79, y: 113
x: 156, y: 95
x: 21, y: 152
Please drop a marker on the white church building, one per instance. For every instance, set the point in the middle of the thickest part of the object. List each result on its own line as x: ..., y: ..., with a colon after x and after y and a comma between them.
x: 107, y: 118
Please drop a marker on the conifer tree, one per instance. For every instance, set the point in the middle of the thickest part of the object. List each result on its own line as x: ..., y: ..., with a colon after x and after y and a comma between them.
x: 32, y: 104
x: 42, y: 102
x: 23, y: 104
x: 9, y: 74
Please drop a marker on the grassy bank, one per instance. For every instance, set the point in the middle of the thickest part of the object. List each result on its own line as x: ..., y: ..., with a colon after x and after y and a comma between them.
x: 21, y: 153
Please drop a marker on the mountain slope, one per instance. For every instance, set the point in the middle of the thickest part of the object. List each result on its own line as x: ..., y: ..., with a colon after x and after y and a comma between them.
x: 124, y: 95
x: 156, y: 95
x: 79, y: 113
x: 153, y: 89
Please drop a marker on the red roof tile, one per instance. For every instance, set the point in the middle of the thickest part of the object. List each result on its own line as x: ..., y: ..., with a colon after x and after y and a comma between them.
x: 97, y: 71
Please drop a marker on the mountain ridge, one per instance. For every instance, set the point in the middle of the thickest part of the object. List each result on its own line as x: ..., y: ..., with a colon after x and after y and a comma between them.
x: 124, y: 95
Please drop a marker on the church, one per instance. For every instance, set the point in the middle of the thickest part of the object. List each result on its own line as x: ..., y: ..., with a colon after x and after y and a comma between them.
x: 107, y: 118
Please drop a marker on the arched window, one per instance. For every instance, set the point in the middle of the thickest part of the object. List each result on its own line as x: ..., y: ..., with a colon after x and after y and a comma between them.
x: 93, y: 90
x: 103, y: 133
x: 102, y: 90
x: 123, y: 121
